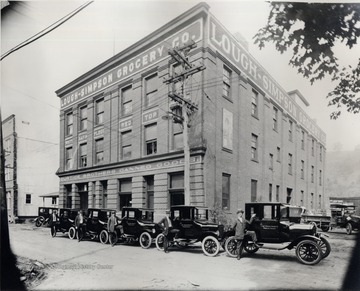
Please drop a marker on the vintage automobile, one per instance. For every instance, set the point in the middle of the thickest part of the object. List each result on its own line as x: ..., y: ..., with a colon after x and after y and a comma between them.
x: 343, y: 216
x: 138, y: 226
x: 322, y: 221
x: 275, y: 229
x: 44, y: 214
x: 96, y: 224
x: 66, y: 222
x: 194, y: 226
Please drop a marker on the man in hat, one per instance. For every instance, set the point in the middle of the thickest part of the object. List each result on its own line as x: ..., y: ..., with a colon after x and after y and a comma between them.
x: 240, y: 230
x: 169, y: 231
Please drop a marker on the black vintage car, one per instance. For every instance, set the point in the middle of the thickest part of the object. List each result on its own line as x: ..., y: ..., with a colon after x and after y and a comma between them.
x: 44, y: 214
x: 343, y: 216
x: 194, y: 226
x: 138, y: 226
x: 66, y: 222
x: 96, y: 224
x: 275, y: 229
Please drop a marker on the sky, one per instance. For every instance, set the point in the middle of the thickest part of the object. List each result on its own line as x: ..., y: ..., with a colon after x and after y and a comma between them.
x: 31, y: 75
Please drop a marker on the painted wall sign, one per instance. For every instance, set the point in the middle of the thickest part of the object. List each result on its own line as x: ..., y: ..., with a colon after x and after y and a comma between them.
x: 125, y: 124
x: 82, y: 137
x: 99, y: 132
x: 133, y: 169
x: 150, y: 115
x: 227, y: 129
x: 136, y: 64
x: 227, y: 45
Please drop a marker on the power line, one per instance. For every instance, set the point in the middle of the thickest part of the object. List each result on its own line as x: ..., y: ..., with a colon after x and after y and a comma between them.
x: 46, y: 30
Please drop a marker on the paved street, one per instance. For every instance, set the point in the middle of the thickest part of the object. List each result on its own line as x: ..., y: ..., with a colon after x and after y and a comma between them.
x: 91, y: 265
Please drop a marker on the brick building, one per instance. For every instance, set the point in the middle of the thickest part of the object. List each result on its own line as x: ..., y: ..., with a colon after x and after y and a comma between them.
x: 249, y: 139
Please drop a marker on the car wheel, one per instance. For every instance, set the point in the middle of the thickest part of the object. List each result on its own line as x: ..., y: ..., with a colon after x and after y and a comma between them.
x: 230, y: 247
x: 349, y: 228
x: 325, y: 247
x: 72, y: 232
x: 210, y: 246
x: 113, y: 238
x: 250, y: 248
x: 145, y: 240
x: 159, y: 242
x: 39, y: 221
x: 308, y: 252
x: 104, y: 236
x: 325, y: 228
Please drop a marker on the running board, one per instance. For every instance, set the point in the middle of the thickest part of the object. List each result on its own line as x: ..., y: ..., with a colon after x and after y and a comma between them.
x: 275, y: 247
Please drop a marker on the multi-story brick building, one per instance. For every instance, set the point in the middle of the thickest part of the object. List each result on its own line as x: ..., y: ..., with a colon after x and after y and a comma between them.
x: 249, y: 139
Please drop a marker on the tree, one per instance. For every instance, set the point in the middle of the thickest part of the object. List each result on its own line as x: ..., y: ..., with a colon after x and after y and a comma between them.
x: 312, y: 30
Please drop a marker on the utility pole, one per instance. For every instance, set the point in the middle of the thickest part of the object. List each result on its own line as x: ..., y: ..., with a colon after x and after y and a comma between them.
x: 182, y: 108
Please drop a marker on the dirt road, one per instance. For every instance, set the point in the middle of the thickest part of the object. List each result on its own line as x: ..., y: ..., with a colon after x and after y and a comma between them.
x: 91, y: 265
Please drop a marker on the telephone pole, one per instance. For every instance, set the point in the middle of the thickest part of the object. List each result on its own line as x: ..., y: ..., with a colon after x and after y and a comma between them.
x: 182, y: 108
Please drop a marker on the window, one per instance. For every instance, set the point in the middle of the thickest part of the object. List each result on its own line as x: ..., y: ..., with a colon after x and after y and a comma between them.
x: 150, y: 90
x: 302, y: 198
x: 83, y: 155
x: 302, y: 175
x: 277, y: 193
x: 149, y: 180
x: 69, y: 124
x: 68, y: 158
x: 99, y: 151
x: 28, y: 199
x: 320, y: 177
x: 83, y: 118
x: 313, y: 147
x: 253, y: 190
x: 320, y: 153
x: 151, y: 139
x: 178, y: 142
x: 270, y: 192
x: 53, y: 201
x: 226, y: 82
x: 126, y: 145
x: 271, y: 161
x: 278, y: 154
x: 125, y: 189
x: 312, y: 174
x: 99, y: 111
x: 275, y: 119
x: 312, y: 201
x: 68, y: 196
x: 320, y: 204
x: 302, y: 140
x: 226, y: 191
x: 176, y: 189
x: 291, y: 125
x: 126, y: 100
x: 254, y: 145
x: 290, y: 164
x: 104, y: 193
x: 254, y: 103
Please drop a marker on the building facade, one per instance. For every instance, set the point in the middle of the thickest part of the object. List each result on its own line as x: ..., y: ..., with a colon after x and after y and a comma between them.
x: 249, y: 139
x: 29, y: 173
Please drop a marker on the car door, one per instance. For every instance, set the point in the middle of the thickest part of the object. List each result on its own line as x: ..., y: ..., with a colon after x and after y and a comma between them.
x: 269, y: 225
x: 129, y: 222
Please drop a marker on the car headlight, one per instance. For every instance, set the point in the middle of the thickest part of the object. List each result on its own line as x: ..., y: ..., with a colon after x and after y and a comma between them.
x: 153, y: 230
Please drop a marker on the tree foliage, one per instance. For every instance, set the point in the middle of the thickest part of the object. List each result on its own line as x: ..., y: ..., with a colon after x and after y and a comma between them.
x: 311, y: 30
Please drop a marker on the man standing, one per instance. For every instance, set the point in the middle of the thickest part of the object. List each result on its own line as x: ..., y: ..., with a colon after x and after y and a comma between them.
x: 168, y: 231
x: 54, y: 219
x: 240, y: 230
x: 79, y: 225
x: 111, y: 225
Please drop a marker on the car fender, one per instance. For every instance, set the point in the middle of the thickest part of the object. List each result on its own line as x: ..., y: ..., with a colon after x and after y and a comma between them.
x: 209, y: 233
x: 301, y: 238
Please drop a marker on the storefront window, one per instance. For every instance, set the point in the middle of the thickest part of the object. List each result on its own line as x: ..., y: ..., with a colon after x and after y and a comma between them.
x: 176, y: 189
x: 125, y: 190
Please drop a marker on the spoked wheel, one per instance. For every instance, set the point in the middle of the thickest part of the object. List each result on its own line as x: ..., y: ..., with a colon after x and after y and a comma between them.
x: 72, y: 232
x: 349, y: 228
x: 210, y: 246
x: 231, y: 247
x: 325, y: 247
x: 39, y: 221
x: 113, y: 238
x: 159, y: 242
x: 104, y: 236
x: 308, y: 252
x: 145, y: 240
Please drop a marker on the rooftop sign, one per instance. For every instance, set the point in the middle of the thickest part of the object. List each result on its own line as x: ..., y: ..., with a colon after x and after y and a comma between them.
x: 226, y: 44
